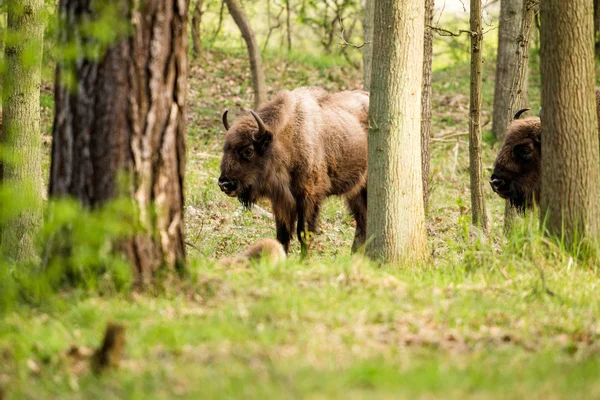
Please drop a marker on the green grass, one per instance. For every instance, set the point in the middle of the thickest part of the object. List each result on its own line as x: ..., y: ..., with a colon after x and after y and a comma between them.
x: 486, y: 318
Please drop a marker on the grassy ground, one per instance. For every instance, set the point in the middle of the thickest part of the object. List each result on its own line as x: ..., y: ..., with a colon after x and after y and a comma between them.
x: 496, y: 318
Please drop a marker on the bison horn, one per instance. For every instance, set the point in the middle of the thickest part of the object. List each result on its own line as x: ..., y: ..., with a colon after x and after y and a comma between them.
x: 261, y: 124
x: 521, y: 111
x: 225, y: 121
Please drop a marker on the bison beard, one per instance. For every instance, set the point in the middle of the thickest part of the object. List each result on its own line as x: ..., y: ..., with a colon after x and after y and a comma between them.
x: 301, y: 147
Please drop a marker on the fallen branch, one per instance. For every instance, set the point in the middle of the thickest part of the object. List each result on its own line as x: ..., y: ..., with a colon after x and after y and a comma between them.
x: 258, y: 210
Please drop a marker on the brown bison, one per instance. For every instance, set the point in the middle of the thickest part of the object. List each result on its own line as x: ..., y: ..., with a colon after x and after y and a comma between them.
x: 517, y: 169
x: 301, y: 147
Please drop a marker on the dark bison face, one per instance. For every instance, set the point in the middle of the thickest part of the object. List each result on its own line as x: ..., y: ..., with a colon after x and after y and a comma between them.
x: 517, y: 169
x: 245, y: 160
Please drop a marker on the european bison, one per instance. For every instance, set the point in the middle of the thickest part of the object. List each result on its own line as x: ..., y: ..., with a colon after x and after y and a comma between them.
x: 517, y: 169
x: 299, y: 148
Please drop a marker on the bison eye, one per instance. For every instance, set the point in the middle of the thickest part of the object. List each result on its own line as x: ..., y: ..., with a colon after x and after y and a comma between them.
x: 247, y: 152
x: 523, y: 152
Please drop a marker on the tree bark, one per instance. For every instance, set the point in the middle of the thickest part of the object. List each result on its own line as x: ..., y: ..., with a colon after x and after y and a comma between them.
x: 368, y: 47
x: 396, y: 217
x: 570, y: 148
x: 21, y: 137
x: 476, y: 165
x: 258, y: 74
x: 196, y: 28
x: 517, y: 84
x: 597, y: 25
x: 126, y: 116
x: 426, y: 101
x: 288, y: 24
x: 507, y: 61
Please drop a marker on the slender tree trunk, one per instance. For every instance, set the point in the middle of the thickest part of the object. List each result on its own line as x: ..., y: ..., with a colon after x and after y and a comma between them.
x: 21, y: 138
x: 476, y: 164
x: 368, y: 47
x: 196, y: 28
x: 396, y: 217
x: 506, y: 64
x: 517, y: 83
x: 127, y: 116
x: 288, y: 24
x: 258, y: 74
x: 426, y: 101
x: 570, y: 148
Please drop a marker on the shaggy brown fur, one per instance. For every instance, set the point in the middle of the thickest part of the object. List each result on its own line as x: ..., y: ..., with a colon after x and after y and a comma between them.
x: 517, y: 169
x: 314, y: 146
x: 269, y: 249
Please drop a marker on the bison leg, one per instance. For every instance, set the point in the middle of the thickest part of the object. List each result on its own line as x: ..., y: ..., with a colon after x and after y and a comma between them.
x: 284, y: 234
x: 308, y: 213
x: 358, y: 208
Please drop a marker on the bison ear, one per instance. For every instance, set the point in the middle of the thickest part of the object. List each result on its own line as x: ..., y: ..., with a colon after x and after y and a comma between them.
x: 263, y: 142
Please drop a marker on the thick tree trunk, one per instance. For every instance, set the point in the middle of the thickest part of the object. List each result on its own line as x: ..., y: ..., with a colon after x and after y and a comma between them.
x: 368, y: 47
x: 517, y: 83
x: 127, y: 115
x: 396, y: 217
x: 476, y: 165
x: 570, y: 148
x: 196, y: 28
x: 258, y: 73
x: 426, y: 101
x: 597, y: 25
x: 506, y: 65
x: 20, y: 138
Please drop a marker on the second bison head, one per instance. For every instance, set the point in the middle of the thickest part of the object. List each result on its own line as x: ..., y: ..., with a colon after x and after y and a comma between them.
x: 517, y: 170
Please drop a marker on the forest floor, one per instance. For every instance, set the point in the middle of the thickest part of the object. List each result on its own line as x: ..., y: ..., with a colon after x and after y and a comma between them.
x: 488, y: 318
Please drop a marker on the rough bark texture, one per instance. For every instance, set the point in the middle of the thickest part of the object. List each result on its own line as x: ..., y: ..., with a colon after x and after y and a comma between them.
x: 368, y: 47
x: 426, y: 100
x: 396, y: 217
x: 506, y: 64
x: 570, y: 148
x: 597, y: 24
x: 476, y: 165
x: 127, y: 115
x: 258, y: 73
x: 288, y: 24
x: 517, y: 83
x: 196, y: 28
x: 20, y: 139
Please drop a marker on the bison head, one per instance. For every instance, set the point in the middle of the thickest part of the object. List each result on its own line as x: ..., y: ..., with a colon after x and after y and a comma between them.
x: 517, y: 169
x: 246, y: 156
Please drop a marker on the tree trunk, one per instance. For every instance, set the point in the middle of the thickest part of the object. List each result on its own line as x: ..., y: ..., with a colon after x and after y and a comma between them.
x: 570, y: 148
x: 21, y: 137
x: 597, y: 25
x: 426, y: 101
x: 288, y: 24
x: 127, y: 115
x: 506, y: 65
x: 476, y: 164
x: 396, y: 217
x: 368, y: 47
x: 517, y: 83
x: 196, y: 26
x: 258, y: 74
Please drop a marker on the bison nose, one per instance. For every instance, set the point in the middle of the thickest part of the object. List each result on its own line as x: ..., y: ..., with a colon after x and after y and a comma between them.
x: 227, y: 185
x: 497, y: 183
